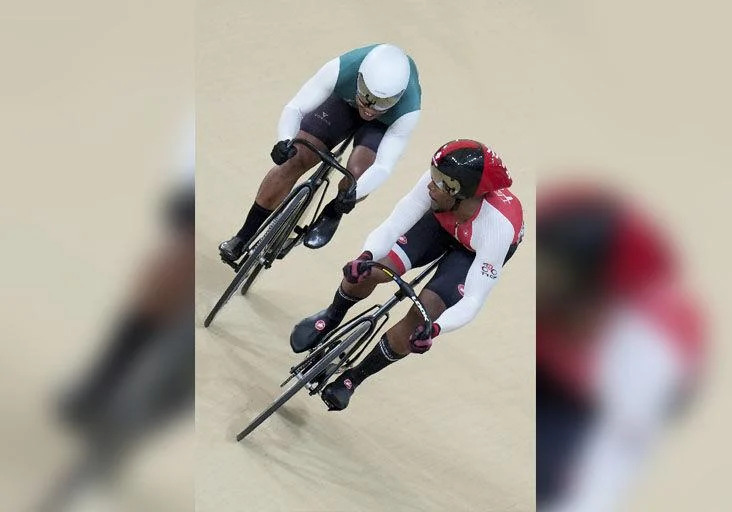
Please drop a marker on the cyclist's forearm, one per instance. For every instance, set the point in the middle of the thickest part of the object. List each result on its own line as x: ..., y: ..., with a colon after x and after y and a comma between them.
x: 390, y: 150
x: 405, y: 215
x: 482, y: 276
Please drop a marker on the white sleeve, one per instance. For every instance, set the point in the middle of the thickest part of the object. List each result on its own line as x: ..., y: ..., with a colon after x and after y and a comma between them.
x: 639, y: 376
x: 313, y: 93
x: 390, y: 149
x: 492, y: 238
x: 406, y: 213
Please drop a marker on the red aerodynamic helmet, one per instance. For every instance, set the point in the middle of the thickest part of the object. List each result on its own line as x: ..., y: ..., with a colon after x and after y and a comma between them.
x: 467, y: 168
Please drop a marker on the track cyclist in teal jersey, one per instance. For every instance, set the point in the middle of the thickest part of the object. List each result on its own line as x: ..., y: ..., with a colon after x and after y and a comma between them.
x: 371, y: 92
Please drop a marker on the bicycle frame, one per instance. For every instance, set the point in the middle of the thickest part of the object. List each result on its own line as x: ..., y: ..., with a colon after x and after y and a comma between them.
x: 377, y: 320
x: 341, y: 344
x: 272, y: 240
x: 312, y: 184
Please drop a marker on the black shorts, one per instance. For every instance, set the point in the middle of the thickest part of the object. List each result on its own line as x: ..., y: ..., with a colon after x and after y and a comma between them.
x: 334, y: 120
x: 423, y: 244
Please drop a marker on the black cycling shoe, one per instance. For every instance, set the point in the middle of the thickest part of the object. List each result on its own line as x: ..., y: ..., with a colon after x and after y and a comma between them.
x: 322, y: 230
x: 337, y: 394
x: 232, y: 249
x: 311, y: 331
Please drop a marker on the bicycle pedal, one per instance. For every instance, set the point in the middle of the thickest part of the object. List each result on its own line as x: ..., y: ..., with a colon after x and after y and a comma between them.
x: 318, y: 381
x: 232, y: 264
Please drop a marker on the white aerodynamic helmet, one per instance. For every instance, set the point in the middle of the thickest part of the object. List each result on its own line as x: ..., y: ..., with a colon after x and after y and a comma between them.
x: 383, y: 77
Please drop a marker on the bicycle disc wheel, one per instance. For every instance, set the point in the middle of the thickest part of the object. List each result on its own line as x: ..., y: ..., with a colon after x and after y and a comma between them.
x: 359, y: 330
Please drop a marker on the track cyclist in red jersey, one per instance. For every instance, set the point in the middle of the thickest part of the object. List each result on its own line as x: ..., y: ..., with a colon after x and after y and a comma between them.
x: 462, y: 207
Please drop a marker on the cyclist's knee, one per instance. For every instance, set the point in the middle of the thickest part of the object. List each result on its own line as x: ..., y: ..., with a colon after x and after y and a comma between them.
x: 296, y: 166
x: 368, y: 283
x: 376, y: 277
x: 398, y: 337
x: 433, y: 304
x: 361, y: 159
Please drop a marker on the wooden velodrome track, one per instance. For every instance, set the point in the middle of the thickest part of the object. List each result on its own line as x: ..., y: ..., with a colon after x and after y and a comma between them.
x: 450, y: 430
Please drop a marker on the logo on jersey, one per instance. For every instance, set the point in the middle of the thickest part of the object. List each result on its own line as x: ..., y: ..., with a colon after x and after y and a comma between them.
x: 323, y: 116
x: 489, y: 270
x: 461, y: 290
x: 402, y: 240
x: 320, y: 325
x: 348, y: 384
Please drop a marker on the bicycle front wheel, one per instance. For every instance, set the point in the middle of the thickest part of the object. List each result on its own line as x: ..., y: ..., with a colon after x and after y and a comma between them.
x: 358, y: 331
x: 256, y: 259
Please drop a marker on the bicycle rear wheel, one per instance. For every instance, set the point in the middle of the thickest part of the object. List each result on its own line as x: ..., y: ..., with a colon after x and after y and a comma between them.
x: 358, y: 331
x: 257, y: 258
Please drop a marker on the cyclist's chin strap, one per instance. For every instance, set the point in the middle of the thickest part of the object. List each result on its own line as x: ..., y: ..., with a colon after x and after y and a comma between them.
x: 456, y: 205
x: 458, y: 202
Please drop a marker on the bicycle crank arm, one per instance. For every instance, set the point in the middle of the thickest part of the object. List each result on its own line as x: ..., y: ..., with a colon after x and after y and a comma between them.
x: 232, y: 264
x: 291, y: 243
